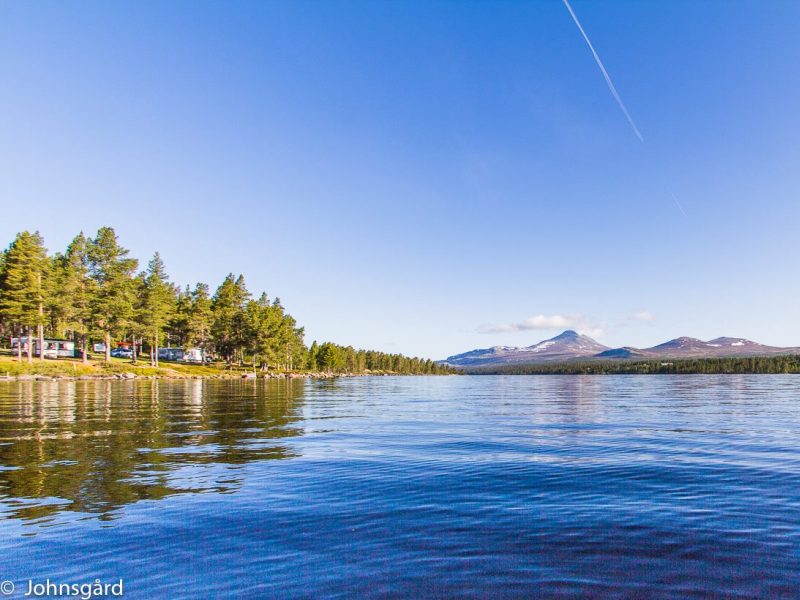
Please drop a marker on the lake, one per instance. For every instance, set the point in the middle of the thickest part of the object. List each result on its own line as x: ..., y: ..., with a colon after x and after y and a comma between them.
x: 549, y: 486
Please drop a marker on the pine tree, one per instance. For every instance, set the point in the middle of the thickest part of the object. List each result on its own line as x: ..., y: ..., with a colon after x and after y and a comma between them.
x: 178, y: 326
x: 200, y: 317
x: 76, y: 291
x: 330, y: 357
x: 290, y: 344
x: 24, y: 286
x: 258, y: 330
x: 228, y: 312
x: 158, y: 302
x: 112, y: 271
x: 137, y: 326
x: 313, y: 351
x: 293, y: 342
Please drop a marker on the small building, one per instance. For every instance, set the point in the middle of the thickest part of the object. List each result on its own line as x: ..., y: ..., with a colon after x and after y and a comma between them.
x: 52, y: 348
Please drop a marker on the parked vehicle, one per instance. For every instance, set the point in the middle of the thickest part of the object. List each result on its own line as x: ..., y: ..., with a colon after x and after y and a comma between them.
x: 52, y: 348
x: 194, y: 355
x: 170, y: 354
x: 122, y: 353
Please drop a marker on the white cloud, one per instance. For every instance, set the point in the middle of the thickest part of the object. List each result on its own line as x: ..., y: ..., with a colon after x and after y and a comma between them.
x: 544, y: 322
x: 643, y: 315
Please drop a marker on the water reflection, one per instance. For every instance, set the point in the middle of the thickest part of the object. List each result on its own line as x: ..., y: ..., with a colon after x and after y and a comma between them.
x: 94, y: 446
x: 619, y: 486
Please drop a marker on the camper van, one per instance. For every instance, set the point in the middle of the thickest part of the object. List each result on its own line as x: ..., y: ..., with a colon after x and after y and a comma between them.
x: 52, y: 348
x: 194, y: 355
x: 168, y: 354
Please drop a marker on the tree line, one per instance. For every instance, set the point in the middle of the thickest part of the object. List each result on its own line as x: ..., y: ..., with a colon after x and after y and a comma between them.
x: 784, y: 363
x: 331, y: 357
x: 94, y: 290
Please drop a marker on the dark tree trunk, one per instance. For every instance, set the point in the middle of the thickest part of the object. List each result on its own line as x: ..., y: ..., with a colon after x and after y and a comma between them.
x: 30, y: 344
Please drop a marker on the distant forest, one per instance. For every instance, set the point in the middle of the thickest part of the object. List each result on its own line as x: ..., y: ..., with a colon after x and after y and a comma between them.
x: 93, y: 291
x: 732, y: 365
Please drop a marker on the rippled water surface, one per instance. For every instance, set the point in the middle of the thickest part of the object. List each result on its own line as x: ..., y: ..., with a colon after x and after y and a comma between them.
x: 616, y: 486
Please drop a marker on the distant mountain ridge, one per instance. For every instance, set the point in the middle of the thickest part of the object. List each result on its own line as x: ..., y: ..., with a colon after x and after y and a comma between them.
x: 570, y: 346
x: 565, y: 346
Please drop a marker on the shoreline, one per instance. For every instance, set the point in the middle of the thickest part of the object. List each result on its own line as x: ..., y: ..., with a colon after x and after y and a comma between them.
x: 68, y: 369
x: 130, y: 376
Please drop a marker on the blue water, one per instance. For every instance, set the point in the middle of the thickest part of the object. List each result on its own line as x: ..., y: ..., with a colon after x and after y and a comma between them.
x: 549, y: 486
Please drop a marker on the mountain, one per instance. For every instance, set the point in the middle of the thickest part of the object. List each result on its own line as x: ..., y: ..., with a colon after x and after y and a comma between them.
x: 625, y: 352
x: 570, y: 346
x: 566, y: 346
x: 687, y: 347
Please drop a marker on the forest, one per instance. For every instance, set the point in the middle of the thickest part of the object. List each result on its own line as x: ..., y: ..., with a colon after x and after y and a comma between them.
x: 94, y: 291
x: 789, y: 363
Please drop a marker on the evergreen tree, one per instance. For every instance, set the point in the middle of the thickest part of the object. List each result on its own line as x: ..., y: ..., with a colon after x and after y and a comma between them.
x: 269, y: 335
x: 55, y: 308
x: 137, y: 326
x: 330, y: 357
x: 291, y: 342
x: 283, y: 340
x: 179, y: 322
x: 75, y: 291
x: 198, y: 330
x: 112, y: 271
x: 228, y: 317
x: 23, y: 288
x: 157, y: 304
x: 260, y: 329
x: 313, y: 352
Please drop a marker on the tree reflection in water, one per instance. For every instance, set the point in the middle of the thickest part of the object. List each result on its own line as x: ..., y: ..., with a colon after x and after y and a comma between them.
x: 94, y: 446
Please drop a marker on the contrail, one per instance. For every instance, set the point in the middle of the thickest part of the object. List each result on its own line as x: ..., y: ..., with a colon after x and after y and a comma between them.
x: 605, y: 73
x: 678, y: 204
x: 613, y: 90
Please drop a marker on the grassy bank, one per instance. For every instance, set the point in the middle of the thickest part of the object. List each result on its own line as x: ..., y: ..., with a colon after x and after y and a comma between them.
x: 67, y: 368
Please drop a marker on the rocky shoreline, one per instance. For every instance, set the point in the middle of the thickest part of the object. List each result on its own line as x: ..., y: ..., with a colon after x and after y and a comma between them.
x: 177, y: 376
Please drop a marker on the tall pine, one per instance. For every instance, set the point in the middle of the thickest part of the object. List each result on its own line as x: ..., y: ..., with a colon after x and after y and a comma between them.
x: 76, y: 290
x: 200, y: 317
x: 112, y: 271
x: 228, y: 316
x: 24, y: 288
x: 158, y: 303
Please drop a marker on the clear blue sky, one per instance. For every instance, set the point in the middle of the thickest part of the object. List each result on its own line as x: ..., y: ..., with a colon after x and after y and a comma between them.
x: 425, y: 177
